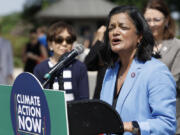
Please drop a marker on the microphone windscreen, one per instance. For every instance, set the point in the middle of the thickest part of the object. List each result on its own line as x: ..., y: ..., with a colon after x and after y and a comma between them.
x: 79, y: 48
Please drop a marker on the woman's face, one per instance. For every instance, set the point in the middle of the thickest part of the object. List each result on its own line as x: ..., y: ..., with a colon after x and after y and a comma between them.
x: 62, y: 43
x: 122, y: 34
x: 33, y: 38
x: 156, y: 21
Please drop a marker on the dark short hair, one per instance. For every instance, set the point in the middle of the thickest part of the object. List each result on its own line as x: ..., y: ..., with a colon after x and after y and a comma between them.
x: 145, y: 47
x: 42, y: 29
x: 59, y: 27
x: 160, y: 5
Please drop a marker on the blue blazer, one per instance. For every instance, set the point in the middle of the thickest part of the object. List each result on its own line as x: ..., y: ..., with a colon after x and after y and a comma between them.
x: 148, y: 96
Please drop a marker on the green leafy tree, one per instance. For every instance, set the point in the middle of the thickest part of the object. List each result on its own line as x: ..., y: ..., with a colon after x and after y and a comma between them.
x: 31, y: 8
x: 174, y: 5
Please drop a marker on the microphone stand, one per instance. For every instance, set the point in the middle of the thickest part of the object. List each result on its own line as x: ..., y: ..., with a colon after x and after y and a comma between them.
x: 50, y: 77
x: 48, y: 81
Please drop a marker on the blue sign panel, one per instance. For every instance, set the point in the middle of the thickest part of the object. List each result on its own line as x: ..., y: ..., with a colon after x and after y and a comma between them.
x: 29, y: 108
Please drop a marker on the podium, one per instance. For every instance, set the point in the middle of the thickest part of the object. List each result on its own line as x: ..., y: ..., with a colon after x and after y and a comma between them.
x: 92, y: 117
x: 28, y: 109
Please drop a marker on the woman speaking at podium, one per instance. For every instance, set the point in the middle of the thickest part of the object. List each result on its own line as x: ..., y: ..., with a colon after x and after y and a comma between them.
x: 73, y: 78
x: 138, y: 86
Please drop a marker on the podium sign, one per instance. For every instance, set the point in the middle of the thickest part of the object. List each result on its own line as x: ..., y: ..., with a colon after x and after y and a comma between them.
x: 27, y: 109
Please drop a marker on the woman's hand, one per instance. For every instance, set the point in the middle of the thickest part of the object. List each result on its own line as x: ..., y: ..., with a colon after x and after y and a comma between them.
x: 128, y: 127
x: 99, y: 34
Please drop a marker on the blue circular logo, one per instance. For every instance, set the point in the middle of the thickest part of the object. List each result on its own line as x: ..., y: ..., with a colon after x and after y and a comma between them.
x: 29, y: 108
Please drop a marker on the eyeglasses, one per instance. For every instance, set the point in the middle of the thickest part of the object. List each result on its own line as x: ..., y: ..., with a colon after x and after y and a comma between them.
x: 155, y: 20
x: 60, y: 40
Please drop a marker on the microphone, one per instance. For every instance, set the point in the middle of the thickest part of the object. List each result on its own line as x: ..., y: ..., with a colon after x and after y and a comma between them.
x: 65, y: 60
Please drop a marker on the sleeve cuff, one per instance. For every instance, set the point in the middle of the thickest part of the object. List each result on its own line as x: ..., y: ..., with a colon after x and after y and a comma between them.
x: 144, y: 128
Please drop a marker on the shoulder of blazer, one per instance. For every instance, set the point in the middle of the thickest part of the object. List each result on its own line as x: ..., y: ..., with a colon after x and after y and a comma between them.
x: 175, y: 43
x: 154, y: 65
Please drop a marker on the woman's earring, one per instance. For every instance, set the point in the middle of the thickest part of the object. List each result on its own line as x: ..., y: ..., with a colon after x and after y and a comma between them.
x: 51, y: 49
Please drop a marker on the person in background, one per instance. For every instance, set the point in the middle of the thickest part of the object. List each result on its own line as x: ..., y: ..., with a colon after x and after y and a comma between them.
x: 32, y: 53
x: 87, y: 43
x: 83, y: 55
x: 88, y: 36
x: 94, y: 60
x: 41, y: 32
x: 73, y: 78
x: 167, y: 47
x: 6, y: 62
x: 138, y: 86
x: 99, y: 35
